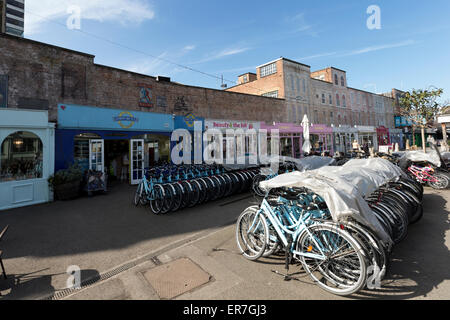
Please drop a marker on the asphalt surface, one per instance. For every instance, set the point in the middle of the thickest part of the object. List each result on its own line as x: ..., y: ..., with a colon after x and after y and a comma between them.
x: 115, y: 243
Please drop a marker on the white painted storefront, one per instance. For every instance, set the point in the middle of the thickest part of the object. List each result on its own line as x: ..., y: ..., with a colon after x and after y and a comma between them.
x: 27, y: 156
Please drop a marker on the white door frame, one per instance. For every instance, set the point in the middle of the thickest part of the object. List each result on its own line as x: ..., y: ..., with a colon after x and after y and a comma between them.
x: 94, y: 155
x: 139, y: 167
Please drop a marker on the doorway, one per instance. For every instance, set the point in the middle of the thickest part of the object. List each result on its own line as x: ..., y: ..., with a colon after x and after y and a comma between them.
x: 117, y: 160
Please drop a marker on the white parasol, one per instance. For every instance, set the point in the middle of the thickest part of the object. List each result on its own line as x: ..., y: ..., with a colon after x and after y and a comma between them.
x: 306, y: 144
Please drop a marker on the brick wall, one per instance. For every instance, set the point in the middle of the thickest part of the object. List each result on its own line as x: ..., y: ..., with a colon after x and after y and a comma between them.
x: 41, y: 76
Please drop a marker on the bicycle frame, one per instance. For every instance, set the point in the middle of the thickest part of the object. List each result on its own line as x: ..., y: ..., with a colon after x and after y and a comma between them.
x: 422, y: 173
x: 281, y: 230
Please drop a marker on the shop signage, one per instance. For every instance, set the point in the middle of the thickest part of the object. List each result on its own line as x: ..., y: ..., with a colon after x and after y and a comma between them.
x: 146, y: 99
x: 231, y: 124
x: 189, y: 119
x: 402, y: 122
x: 125, y: 119
x: 86, y: 117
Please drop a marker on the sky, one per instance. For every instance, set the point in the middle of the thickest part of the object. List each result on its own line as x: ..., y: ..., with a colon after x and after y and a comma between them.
x: 198, y: 42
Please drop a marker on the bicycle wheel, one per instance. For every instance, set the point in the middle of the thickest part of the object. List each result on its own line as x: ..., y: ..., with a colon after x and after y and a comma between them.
x: 168, y: 198
x: 228, y: 185
x: 195, y: 196
x: 156, y: 199
x: 187, y: 193
x: 203, y: 191
x: 417, y: 215
x: 251, y: 234
x: 138, y: 194
x: 344, y: 271
x: 177, y: 196
x: 438, y: 181
x: 255, y: 185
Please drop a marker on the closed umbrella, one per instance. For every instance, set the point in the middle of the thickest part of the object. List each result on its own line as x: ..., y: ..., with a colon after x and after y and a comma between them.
x: 306, y: 144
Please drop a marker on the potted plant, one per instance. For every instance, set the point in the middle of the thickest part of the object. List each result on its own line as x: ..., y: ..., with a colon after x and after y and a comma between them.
x: 66, y: 182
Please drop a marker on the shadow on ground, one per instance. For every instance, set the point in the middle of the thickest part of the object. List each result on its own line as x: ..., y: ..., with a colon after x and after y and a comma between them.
x: 103, y: 222
x: 30, y: 286
x: 421, y: 261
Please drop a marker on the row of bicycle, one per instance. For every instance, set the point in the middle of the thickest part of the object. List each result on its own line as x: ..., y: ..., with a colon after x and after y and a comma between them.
x: 162, y: 198
x: 168, y: 173
x: 338, y: 256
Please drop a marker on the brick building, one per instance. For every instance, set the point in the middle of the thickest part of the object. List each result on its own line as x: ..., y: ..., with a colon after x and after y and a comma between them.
x: 121, y: 113
x: 40, y: 76
x: 323, y: 95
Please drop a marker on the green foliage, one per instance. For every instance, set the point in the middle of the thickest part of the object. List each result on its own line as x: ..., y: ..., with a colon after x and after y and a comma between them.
x: 71, y: 174
x: 421, y: 106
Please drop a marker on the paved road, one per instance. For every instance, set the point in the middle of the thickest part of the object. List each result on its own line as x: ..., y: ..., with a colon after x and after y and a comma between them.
x: 105, y: 232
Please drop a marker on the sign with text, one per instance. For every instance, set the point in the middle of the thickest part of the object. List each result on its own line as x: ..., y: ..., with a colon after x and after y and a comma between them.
x: 231, y: 124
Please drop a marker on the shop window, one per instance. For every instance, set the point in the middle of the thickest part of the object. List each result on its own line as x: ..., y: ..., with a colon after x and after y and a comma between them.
x: 81, y: 148
x: 21, y: 157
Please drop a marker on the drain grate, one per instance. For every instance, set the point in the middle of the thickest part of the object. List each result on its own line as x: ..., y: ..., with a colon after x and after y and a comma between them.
x: 90, y: 281
x: 175, y: 278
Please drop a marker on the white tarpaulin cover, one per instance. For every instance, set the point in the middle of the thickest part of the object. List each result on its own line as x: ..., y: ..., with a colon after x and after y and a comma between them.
x: 343, y: 188
x: 419, y: 156
x: 307, y: 163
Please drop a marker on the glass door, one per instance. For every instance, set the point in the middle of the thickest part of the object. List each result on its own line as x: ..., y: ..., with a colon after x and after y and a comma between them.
x: 137, y: 160
x: 96, y: 155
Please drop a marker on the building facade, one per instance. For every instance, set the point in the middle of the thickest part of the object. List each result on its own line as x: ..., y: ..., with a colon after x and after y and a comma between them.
x: 109, y: 119
x: 323, y: 95
x: 12, y: 17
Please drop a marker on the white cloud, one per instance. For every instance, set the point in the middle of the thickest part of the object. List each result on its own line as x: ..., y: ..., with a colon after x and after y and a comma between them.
x: 360, y: 51
x: 152, y: 66
x: 380, y: 47
x: 221, y: 54
x: 38, y: 12
x: 320, y: 55
x: 189, y: 48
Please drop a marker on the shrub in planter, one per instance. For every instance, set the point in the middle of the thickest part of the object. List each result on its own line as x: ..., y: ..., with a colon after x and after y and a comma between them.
x: 66, y: 183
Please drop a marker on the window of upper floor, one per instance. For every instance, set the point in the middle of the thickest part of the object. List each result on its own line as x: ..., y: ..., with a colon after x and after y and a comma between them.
x: 323, y: 98
x: 271, y: 94
x: 268, y: 70
x: 343, y: 101
x: 338, y: 102
x: 336, y: 82
x: 342, y: 81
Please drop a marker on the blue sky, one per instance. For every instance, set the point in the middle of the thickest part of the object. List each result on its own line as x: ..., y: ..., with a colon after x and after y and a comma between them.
x: 411, y: 50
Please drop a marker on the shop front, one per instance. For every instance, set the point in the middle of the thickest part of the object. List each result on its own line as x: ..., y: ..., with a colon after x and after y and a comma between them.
x: 224, y: 125
x: 367, y: 135
x: 291, y: 138
x: 26, y: 157
x: 383, y: 136
x: 189, y: 123
x: 344, y: 136
x: 321, y: 138
x: 120, y: 142
x: 396, y: 136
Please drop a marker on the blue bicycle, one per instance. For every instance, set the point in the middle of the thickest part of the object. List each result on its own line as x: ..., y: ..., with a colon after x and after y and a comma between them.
x: 330, y: 255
